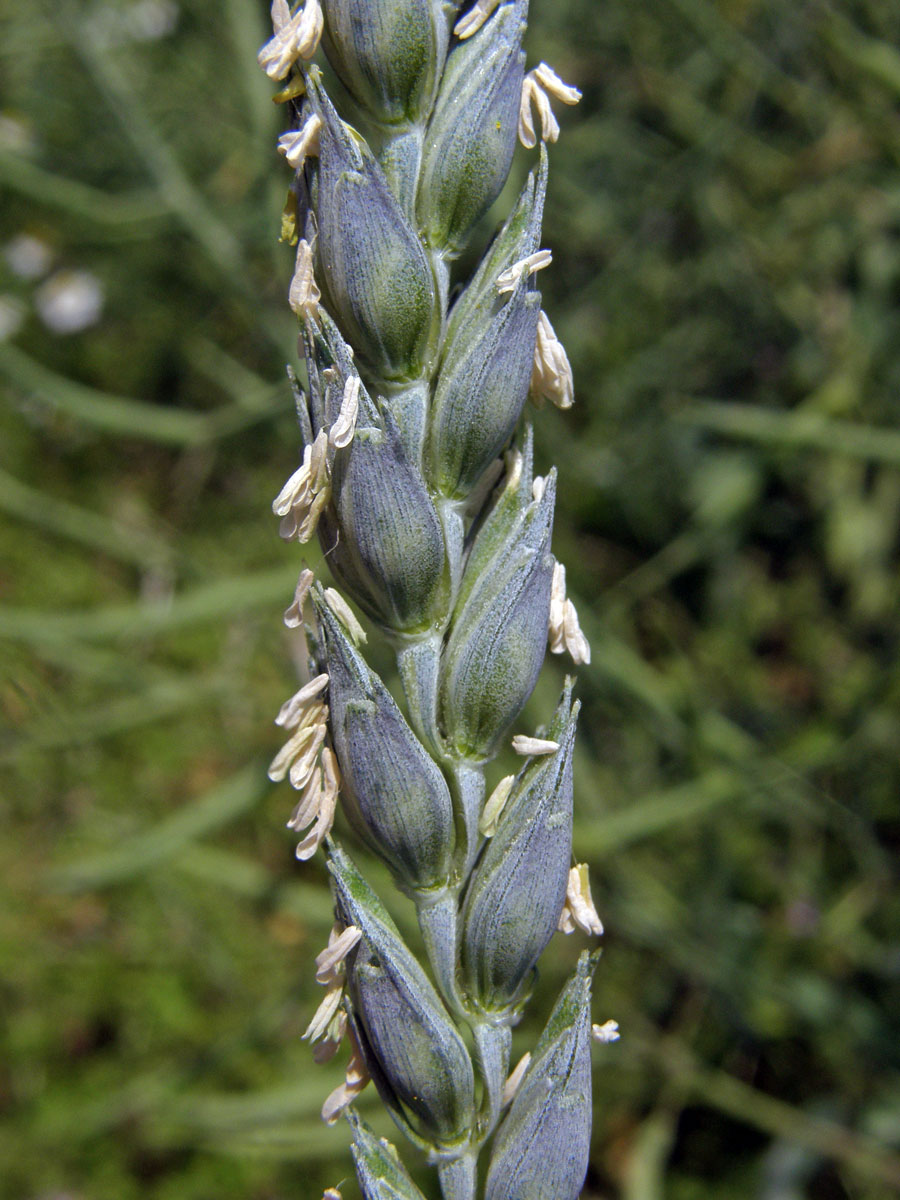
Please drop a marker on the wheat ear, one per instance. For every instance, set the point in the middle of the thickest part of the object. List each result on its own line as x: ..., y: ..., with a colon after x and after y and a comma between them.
x: 417, y: 476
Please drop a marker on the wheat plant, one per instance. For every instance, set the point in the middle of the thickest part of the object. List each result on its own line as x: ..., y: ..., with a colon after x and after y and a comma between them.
x: 417, y: 476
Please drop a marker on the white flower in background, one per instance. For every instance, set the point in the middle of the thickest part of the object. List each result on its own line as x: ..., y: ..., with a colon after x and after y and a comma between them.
x: 70, y: 301
x: 28, y: 257
x: 150, y: 20
x: 15, y: 134
x: 145, y: 21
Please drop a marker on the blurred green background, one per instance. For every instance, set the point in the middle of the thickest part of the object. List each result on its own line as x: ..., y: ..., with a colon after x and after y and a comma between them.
x: 724, y: 213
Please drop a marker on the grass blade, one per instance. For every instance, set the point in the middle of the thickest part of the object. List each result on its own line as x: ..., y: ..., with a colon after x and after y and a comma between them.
x: 169, y: 838
x: 793, y: 429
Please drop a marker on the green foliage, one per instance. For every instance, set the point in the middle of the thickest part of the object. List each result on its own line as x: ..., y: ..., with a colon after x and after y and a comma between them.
x: 723, y: 212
